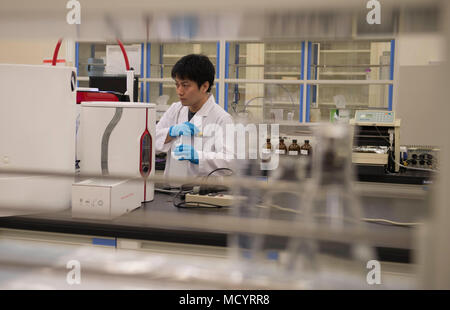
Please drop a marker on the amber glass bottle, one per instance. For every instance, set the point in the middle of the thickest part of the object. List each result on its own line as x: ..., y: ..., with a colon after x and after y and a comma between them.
x: 266, y: 151
x: 282, y: 149
x: 306, y: 149
x: 294, y: 148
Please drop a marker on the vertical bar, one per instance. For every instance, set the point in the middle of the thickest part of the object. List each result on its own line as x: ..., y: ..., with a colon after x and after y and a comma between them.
x: 142, y: 72
x: 217, y: 68
x: 147, y: 73
x: 391, y: 74
x: 227, y: 55
x: 161, y: 51
x: 236, y: 62
x: 301, y: 78
x: 308, y: 87
x: 221, y: 99
x: 77, y: 61
x: 314, y: 61
x: 92, y: 50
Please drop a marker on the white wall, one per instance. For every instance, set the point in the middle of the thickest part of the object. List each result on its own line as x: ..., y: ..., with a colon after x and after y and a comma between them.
x: 32, y: 52
x: 417, y: 72
x: 420, y: 49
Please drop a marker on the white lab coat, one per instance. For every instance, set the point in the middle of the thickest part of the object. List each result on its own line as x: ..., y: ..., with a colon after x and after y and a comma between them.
x: 218, y: 156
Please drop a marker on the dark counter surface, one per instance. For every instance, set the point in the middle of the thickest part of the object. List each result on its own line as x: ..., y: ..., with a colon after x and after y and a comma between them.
x: 134, y: 226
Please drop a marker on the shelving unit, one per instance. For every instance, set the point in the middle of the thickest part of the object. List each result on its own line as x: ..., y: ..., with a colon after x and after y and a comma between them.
x: 273, y: 70
x: 332, y: 61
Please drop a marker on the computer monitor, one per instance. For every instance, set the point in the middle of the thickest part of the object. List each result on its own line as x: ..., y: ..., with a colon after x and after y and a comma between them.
x: 116, y: 83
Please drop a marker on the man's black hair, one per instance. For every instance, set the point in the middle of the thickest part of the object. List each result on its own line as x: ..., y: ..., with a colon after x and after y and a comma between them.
x: 195, y: 67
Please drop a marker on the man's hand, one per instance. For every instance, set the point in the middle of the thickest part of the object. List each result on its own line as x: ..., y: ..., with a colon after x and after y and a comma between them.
x: 184, y: 129
x: 186, y: 152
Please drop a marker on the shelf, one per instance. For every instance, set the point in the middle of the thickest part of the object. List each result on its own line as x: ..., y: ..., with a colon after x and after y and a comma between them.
x: 349, y: 106
x: 345, y: 51
x: 268, y: 104
x: 284, y: 103
x: 283, y: 51
x: 342, y: 73
x: 283, y: 73
x: 306, y: 126
x: 182, y: 55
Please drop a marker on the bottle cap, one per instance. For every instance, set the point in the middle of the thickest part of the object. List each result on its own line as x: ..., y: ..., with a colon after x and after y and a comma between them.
x: 306, y: 141
x: 294, y: 140
x: 268, y: 140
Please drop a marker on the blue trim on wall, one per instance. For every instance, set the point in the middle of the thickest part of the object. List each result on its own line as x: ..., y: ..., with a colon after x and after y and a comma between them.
x: 236, y: 59
x: 391, y: 74
x: 217, y: 68
x: 301, y: 78
x: 236, y: 62
x: 308, y: 87
x: 147, y: 74
x: 77, y: 61
x: 142, y: 72
x: 314, y: 61
x: 308, y: 69
x: 104, y: 241
x: 161, y: 51
x: 227, y: 56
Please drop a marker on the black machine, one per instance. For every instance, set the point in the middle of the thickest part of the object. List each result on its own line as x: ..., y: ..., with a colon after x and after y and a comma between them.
x: 116, y: 83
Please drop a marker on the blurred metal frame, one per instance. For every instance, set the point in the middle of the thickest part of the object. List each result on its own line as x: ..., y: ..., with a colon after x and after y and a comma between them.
x: 255, y: 19
x: 209, y: 20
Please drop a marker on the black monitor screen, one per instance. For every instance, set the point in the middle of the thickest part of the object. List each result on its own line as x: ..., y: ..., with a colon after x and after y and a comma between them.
x: 116, y: 83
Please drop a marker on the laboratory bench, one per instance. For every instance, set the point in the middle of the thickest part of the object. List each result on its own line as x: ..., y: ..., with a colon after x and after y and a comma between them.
x: 394, y: 202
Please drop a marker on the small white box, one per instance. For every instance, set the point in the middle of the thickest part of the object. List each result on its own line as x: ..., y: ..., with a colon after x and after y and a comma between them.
x: 105, y: 199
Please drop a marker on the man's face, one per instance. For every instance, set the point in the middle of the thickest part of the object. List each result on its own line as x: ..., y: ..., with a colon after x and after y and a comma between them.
x: 189, y: 93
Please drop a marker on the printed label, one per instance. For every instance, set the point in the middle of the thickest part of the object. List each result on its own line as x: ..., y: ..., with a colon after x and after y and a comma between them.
x: 304, y: 152
x: 282, y: 152
x: 293, y: 152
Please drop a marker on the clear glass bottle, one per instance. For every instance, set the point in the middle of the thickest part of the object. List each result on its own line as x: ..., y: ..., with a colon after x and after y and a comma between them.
x: 281, y: 148
x: 294, y: 148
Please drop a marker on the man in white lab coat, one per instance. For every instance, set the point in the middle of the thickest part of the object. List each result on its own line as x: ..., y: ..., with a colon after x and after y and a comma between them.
x: 193, y: 130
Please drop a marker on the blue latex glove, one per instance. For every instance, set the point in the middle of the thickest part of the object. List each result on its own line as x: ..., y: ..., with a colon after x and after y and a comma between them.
x: 186, y: 152
x: 184, y: 129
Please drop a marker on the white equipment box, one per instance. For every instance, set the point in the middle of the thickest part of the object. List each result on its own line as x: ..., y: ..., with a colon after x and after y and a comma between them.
x: 364, y: 121
x: 37, y: 132
x: 105, y: 199
x: 115, y: 138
